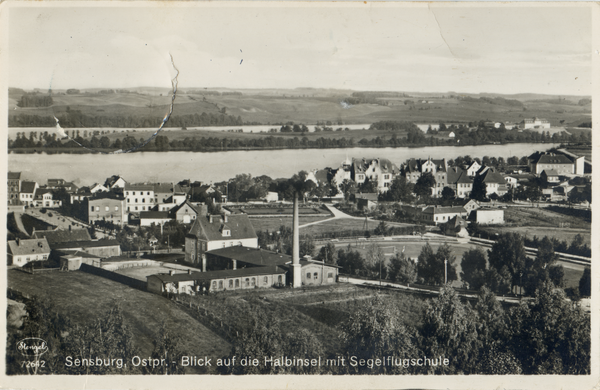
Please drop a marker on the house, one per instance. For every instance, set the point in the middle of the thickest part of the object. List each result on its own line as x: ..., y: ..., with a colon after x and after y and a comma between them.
x: 115, y: 181
x: 344, y: 172
x: 473, y: 168
x: 459, y: 181
x: 187, y: 212
x: 487, y: 216
x: 218, y: 231
x: 456, y: 227
x: 96, y: 187
x: 27, y: 194
x: 213, y: 281
x: 149, y: 218
x: 437, y: 214
x: 438, y: 168
x: 451, y: 135
x: 494, y: 182
x: 470, y: 205
x: 550, y: 176
x: 81, y: 194
x: 99, y: 248
x: 380, y: 170
x: 14, y: 187
x: 139, y: 197
x: 534, y: 123
x: 511, y: 181
x: 366, y: 201
x: 561, y: 164
x: 271, y: 197
x: 169, y: 193
x: 43, y: 197
x: 61, y: 183
x: 60, y: 235
x: 109, y: 208
x: 21, y: 252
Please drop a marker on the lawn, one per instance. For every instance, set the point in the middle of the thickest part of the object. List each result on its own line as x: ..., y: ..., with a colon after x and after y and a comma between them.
x: 82, y: 297
x: 344, y: 224
x: 542, y: 217
x: 273, y: 224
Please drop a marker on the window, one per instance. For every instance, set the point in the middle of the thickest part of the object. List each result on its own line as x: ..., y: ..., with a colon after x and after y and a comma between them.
x: 128, y: 208
x: 144, y: 208
x: 330, y: 275
x: 220, y: 284
x: 308, y: 275
x: 128, y: 200
x: 133, y: 193
x: 127, y: 193
x: 279, y: 279
x: 266, y: 280
x: 135, y: 200
x: 136, y: 208
x: 237, y: 283
x: 316, y: 275
x: 116, y: 208
x: 214, y: 285
x: 230, y: 283
x: 106, y: 208
x: 247, y: 282
x: 253, y: 281
x: 143, y: 200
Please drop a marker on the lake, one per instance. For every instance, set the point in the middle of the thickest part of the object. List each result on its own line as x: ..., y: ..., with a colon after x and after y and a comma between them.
x: 86, y: 169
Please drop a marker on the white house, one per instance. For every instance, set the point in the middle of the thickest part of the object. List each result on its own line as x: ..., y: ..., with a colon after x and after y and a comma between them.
x: 21, y: 252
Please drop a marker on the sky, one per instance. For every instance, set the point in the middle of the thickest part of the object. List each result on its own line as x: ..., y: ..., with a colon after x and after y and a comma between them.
x: 419, y: 48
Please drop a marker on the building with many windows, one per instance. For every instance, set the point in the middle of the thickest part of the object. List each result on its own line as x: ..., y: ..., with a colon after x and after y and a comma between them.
x: 107, y: 208
x: 139, y: 197
x: 380, y: 170
x: 14, y: 187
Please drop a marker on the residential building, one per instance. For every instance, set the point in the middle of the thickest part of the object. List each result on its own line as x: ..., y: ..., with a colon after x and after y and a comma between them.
x: 44, y: 197
x: 511, y: 181
x: 550, y: 176
x: 456, y: 227
x: 107, y: 208
x: 218, y: 231
x: 534, y: 123
x: 139, y: 197
x: 561, y: 164
x: 27, y: 194
x: 437, y: 214
x: 21, y: 252
x: 61, y: 183
x: 81, y: 194
x: 473, y: 168
x: 14, y: 188
x: 494, y: 182
x: 115, y: 181
x: 438, y: 168
x: 459, y: 181
x: 169, y: 193
x: 97, y: 187
x: 380, y: 170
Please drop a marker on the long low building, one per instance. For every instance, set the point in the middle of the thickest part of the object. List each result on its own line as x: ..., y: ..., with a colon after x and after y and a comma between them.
x: 212, y: 281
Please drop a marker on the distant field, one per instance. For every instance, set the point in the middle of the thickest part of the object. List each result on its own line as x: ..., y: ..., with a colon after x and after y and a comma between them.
x: 82, y: 297
x: 307, y: 108
x: 273, y: 224
x: 541, y: 217
x: 344, y: 224
x: 562, y: 234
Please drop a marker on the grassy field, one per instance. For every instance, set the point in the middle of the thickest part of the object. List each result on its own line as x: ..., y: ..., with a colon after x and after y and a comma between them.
x: 273, y: 224
x: 344, y: 224
x: 562, y: 234
x: 541, y: 217
x: 82, y: 297
x: 308, y: 108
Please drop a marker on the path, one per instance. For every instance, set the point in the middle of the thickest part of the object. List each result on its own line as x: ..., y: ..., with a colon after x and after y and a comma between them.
x: 337, y: 214
x: 17, y: 217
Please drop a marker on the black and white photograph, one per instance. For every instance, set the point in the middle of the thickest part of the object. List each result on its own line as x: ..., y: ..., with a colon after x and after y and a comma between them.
x: 298, y: 195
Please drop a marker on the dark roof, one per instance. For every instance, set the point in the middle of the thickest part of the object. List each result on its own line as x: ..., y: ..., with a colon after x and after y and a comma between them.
x: 112, y: 180
x: 27, y: 247
x: 28, y: 187
x: 490, y: 176
x: 550, y: 172
x: 14, y: 175
x: 209, y: 275
x: 322, y: 175
x: 85, y: 244
x: 154, y: 214
x: 139, y: 187
x: 254, y: 256
x: 464, y: 178
x: 444, y: 210
x: 239, y: 224
x: 368, y: 196
x: 57, y: 236
x: 415, y: 165
x: 456, y: 221
x: 175, y: 209
x: 385, y: 165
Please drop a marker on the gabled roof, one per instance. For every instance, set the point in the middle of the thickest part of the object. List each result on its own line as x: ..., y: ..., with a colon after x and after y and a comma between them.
x: 28, y: 187
x: 254, y: 256
x: 491, y: 176
x: 14, y: 175
x: 85, y: 244
x: 210, y: 275
x: 456, y: 222
x: 385, y: 165
x: 444, y: 210
x: 57, y: 236
x: 139, y: 187
x: 240, y: 226
x: 175, y: 209
x: 454, y: 173
x: 464, y: 179
x: 415, y: 165
x: 550, y: 172
x: 42, y: 191
x: 32, y: 246
x: 554, y: 159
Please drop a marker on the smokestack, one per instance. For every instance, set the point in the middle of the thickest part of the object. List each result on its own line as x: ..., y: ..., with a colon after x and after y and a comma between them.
x: 296, y: 269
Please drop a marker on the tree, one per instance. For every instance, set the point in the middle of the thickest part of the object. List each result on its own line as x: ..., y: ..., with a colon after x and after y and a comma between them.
x: 479, y: 191
x: 376, y: 329
x: 473, y: 267
x: 585, y: 283
x: 448, y: 193
x: 375, y: 261
x: 352, y: 262
x: 400, y: 190
x: 402, y: 269
x: 424, y: 185
x: 431, y: 268
x: 449, y: 330
x: 348, y: 187
x: 328, y: 253
x: 382, y: 229
x: 509, y: 251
